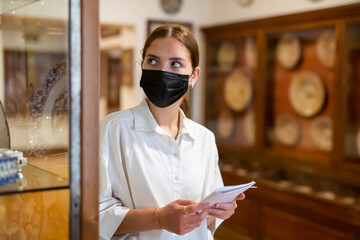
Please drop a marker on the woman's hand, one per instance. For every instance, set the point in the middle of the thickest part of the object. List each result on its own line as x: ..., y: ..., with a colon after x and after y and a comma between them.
x: 182, y: 216
x: 225, y: 210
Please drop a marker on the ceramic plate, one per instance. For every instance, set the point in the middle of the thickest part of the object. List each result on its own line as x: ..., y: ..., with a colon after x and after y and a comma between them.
x: 287, y: 130
x: 288, y: 51
x: 226, y: 56
x: 238, y: 91
x: 307, y: 93
x: 322, y: 133
x: 49, y: 124
x: 225, y: 124
x: 326, y: 48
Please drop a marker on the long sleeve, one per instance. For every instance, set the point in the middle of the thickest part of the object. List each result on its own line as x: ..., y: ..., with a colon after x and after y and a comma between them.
x: 111, y: 210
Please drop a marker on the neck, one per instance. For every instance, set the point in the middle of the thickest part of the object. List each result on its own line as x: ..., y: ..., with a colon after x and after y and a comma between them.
x: 167, y: 118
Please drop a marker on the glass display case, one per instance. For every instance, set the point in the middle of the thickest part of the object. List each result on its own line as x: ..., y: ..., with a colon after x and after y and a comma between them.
x: 231, y: 76
x: 34, y: 90
x: 43, y: 106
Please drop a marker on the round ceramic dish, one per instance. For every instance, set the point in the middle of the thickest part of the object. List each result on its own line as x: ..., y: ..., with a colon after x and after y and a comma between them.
x: 322, y: 133
x: 326, y: 48
x: 226, y: 56
x: 238, y: 91
x: 287, y: 130
x: 307, y: 93
x: 225, y: 124
x: 288, y: 51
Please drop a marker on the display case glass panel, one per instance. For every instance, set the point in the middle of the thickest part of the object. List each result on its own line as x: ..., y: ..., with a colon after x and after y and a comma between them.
x: 299, y: 94
x: 34, y: 80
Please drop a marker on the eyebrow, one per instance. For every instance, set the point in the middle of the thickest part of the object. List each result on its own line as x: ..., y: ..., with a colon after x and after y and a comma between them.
x: 152, y: 56
x: 177, y: 59
x: 173, y: 58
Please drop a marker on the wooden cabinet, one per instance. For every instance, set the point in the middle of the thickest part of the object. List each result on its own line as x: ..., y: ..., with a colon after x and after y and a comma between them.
x: 282, y: 97
x: 277, y: 212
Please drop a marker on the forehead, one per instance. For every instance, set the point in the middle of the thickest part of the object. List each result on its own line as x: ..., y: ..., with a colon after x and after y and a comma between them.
x: 168, y: 47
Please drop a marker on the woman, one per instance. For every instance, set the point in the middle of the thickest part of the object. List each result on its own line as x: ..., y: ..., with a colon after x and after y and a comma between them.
x: 156, y: 164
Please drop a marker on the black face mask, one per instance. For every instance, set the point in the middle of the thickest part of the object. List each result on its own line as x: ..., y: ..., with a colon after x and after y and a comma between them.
x: 163, y: 88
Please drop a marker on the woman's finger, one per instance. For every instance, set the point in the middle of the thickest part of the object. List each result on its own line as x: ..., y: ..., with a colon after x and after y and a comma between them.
x: 240, y: 197
x: 220, y: 213
x: 225, y: 206
x: 195, y: 208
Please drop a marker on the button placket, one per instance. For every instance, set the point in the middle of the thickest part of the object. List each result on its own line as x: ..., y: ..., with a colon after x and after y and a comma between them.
x: 176, y: 169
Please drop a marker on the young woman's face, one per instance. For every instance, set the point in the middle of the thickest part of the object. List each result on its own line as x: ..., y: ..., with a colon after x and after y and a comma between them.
x: 168, y: 54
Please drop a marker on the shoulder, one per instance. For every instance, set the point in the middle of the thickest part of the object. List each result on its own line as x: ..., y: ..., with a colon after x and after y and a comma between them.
x: 200, y: 131
x: 116, y: 117
x: 115, y: 120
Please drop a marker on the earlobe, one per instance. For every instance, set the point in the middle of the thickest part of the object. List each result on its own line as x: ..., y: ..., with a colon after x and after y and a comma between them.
x: 194, y: 76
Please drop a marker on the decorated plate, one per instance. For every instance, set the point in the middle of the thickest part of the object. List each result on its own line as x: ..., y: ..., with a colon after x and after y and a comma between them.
x: 288, y: 51
x: 307, y: 93
x: 238, y: 91
x: 226, y: 56
x: 322, y: 133
x: 49, y: 114
x: 326, y: 48
x: 225, y: 124
x: 287, y: 130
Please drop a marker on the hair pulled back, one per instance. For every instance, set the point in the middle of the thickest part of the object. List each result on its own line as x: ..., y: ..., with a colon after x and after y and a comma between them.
x: 179, y: 32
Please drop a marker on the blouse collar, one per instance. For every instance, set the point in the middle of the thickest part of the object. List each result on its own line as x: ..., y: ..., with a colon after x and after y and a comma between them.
x: 145, y: 121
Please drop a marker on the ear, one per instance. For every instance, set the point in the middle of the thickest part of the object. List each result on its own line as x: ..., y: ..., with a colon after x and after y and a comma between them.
x: 194, y: 76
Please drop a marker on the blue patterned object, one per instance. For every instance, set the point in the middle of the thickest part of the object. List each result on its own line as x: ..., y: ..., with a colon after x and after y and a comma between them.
x: 8, y: 169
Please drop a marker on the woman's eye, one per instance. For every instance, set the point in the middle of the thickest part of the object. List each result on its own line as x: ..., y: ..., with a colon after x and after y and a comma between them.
x: 176, y: 64
x: 151, y: 61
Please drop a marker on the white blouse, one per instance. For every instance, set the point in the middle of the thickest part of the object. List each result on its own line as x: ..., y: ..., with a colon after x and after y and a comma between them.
x: 142, y: 166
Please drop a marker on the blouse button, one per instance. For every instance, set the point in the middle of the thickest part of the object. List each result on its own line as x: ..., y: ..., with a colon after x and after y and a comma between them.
x: 176, y: 178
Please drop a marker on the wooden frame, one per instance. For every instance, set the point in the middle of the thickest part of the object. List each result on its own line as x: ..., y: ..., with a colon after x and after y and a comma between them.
x: 84, y: 143
x: 90, y: 120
